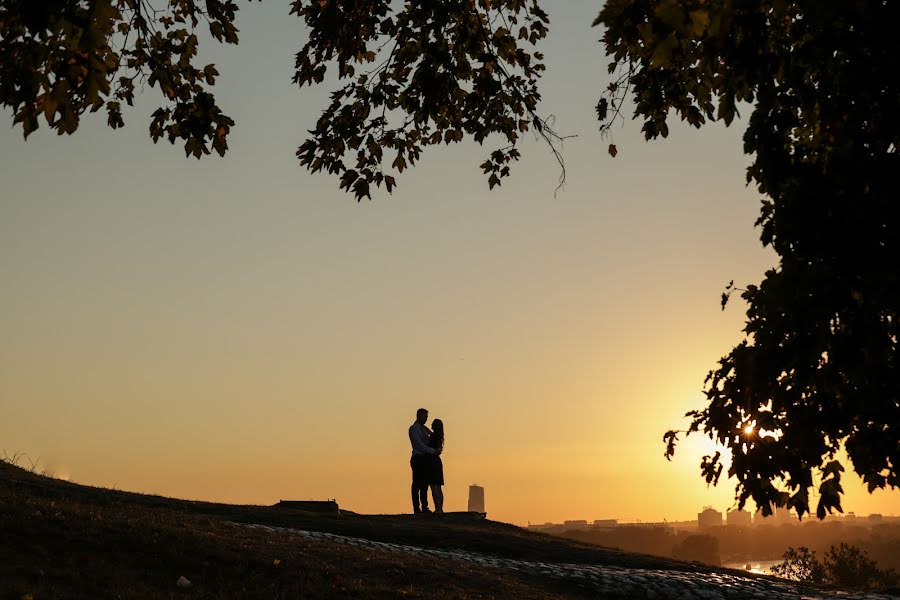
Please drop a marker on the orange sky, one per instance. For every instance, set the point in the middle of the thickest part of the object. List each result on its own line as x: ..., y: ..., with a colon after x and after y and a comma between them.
x: 238, y: 330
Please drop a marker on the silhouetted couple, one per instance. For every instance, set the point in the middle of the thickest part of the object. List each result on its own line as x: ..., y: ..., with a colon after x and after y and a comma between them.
x: 427, y: 467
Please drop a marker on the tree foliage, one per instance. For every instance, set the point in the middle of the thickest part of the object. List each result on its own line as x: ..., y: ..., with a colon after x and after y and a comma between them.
x: 819, y: 369
x: 419, y: 74
x: 62, y: 58
x: 411, y: 75
x: 843, y: 566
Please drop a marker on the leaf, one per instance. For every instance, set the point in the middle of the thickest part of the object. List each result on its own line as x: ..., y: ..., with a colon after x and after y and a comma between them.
x: 670, y: 13
x: 662, y: 53
x: 699, y: 22
x: 671, y: 439
x: 833, y: 469
x: 612, y: 150
x: 601, y: 109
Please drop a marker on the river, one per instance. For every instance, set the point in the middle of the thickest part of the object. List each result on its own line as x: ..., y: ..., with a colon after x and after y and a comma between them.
x: 762, y: 567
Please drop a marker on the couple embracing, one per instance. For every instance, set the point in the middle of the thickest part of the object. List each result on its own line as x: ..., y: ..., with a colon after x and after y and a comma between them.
x: 427, y: 467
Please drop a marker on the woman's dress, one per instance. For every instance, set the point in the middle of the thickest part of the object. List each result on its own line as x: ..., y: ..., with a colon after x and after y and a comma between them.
x: 435, y: 468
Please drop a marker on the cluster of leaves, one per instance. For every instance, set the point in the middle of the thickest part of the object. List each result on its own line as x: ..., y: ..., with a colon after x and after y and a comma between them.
x: 819, y: 368
x: 419, y: 74
x: 844, y: 566
x: 61, y: 58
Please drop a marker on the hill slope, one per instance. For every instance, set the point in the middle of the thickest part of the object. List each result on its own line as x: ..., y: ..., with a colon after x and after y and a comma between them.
x: 64, y: 540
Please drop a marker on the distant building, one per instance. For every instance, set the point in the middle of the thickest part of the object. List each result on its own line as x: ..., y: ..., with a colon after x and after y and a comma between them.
x: 850, y: 518
x: 780, y: 516
x: 476, y: 499
x: 710, y: 517
x: 606, y: 523
x: 546, y: 528
x: 738, y: 518
x: 650, y: 525
x: 575, y: 524
x: 783, y: 516
x: 683, y: 525
x: 875, y: 517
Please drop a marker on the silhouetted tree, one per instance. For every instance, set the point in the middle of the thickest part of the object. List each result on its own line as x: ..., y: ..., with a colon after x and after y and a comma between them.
x: 801, y: 565
x: 417, y: 74
x: 420, y: 74
x: 61, y: 58
x: 844, y: 566
x: 818, y: 369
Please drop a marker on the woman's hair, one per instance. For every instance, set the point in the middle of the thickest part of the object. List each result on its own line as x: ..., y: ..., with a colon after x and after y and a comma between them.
x: 437, y: 435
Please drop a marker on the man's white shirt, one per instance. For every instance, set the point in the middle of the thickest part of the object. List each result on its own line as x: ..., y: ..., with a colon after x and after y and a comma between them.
x: 418, y: 437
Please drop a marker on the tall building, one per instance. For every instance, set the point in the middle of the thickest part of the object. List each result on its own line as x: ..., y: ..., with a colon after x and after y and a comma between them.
x: 476, y: 499
x: 739, y: 518
x: 710, y: 517
x: 780, y: 516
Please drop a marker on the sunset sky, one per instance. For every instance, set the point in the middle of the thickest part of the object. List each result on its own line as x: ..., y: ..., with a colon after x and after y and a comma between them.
x: 238, y: 330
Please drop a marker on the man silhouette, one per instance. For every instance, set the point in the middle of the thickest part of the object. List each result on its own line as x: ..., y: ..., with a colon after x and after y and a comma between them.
x: 418, y: 437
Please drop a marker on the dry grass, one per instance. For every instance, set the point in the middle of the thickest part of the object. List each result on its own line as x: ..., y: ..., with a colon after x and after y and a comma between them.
x: 63, y: 540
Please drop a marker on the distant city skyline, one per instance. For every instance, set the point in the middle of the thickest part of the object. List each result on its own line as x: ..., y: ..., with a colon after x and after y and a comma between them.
x: 754, y: 546
x: 781, y: 517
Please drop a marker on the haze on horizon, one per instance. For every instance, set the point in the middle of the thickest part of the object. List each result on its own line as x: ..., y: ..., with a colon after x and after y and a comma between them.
x: 238, y: 330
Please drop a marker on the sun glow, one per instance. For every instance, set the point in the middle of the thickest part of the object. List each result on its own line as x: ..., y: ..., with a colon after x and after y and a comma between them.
x: 748, y: 429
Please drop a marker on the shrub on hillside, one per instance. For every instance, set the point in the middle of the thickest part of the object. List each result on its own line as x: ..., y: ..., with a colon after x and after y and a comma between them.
x: 843, y: 566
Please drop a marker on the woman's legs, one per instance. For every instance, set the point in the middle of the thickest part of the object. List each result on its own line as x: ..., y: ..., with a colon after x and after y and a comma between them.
x: 438, y: 495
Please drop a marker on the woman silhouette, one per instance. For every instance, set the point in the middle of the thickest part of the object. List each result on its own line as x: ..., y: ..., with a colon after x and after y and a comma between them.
x: 436, y: 465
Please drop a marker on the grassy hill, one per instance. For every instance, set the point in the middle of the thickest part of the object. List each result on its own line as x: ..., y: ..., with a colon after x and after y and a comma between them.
x: 63, y: 540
